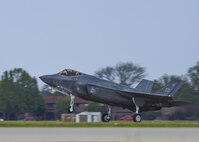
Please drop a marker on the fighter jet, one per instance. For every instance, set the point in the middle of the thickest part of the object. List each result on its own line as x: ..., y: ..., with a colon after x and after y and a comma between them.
x: 138, y: 99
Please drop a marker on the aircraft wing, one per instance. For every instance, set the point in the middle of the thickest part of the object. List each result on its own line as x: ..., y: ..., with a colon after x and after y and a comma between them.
x: 93, y: 88
x: 145, y: 95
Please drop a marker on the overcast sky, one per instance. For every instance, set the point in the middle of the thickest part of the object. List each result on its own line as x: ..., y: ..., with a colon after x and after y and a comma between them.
x: 45, y: 36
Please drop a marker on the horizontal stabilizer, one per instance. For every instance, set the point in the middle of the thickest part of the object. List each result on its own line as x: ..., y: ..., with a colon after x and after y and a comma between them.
x: 179, y: 103
x: 145, y: 86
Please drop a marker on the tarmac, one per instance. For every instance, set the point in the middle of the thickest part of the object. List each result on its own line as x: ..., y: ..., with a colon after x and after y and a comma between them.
x: 99, y: 134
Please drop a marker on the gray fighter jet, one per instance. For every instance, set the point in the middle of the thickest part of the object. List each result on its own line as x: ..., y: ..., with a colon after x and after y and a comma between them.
x: 74, y: 83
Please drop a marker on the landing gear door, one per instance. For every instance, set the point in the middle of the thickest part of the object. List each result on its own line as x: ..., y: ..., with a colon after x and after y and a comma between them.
x: 139, y: 101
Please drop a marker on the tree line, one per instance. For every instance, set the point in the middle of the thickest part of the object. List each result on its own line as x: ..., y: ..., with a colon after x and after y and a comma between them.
x: 19, y: 93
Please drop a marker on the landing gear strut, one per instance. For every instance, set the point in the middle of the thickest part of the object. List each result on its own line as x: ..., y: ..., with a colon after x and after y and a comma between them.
x: 136, y: 117
x: 71, y: 107
x: 106, y: 117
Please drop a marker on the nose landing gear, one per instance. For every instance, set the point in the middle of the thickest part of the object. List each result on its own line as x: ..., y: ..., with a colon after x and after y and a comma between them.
x: 71, y: 107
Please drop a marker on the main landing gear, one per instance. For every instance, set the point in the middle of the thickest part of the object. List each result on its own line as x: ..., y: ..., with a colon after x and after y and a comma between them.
x: 106, y: 117
x: 71, y: 107
x: 136, y: 117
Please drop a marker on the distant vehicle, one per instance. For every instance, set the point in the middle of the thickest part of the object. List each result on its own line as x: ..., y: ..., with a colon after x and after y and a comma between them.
x: 127, y: 118
x: 74, y: 83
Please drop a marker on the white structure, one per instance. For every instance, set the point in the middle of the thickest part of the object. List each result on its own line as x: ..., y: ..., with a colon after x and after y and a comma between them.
x: 88, y: 117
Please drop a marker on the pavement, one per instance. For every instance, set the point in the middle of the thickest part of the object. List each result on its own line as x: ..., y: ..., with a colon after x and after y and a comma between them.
x: 99, y: 134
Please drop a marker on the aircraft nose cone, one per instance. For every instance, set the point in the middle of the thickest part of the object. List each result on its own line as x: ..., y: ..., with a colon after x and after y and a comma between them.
x: 47, y: 79
x: 43, y: 78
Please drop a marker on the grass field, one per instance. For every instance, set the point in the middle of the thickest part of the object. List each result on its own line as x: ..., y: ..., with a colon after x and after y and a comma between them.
x: 110, y: 124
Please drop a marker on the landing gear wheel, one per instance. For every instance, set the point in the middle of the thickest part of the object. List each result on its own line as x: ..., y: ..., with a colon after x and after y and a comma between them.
x: 137, y: 118
x: 70, y: 109
x: 106, y: 117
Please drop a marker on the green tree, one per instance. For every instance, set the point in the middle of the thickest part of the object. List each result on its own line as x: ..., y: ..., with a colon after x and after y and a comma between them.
x: 93, y: 106
x: 123, y: 73
x: 193, y: 73
x: 2, y: 103
x: 62, y: 106
x: 20, y: 94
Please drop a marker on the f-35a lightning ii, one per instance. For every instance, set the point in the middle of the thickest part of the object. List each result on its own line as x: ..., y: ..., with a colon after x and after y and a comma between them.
x: 74, y: 83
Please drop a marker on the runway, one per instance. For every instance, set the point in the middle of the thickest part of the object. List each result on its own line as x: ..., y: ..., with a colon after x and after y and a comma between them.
x: 99, y: 134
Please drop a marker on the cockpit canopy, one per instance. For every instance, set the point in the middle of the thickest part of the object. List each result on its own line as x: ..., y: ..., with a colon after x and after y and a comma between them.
x: 69, y: 72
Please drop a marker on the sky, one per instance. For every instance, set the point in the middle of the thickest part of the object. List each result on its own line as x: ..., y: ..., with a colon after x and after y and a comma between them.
x: 46, y: 36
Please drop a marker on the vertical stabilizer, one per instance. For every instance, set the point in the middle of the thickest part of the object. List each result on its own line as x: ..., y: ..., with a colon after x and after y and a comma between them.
x: 145, y: 86
x: 171, y: 88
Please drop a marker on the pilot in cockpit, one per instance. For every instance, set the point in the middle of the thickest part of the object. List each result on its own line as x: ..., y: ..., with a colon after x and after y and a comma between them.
x: 69, y: 72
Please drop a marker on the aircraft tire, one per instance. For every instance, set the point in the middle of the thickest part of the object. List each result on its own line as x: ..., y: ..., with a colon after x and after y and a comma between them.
x: 70, y: 109
x: 137, y: 118
x: 106, y: 117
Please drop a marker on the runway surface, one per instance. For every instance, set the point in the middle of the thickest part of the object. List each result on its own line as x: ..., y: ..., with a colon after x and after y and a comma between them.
x: 99, y: 134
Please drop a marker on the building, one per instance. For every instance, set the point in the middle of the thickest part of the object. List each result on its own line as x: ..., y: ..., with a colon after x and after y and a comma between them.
x: 88, y: 117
